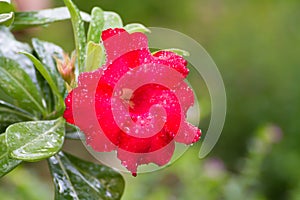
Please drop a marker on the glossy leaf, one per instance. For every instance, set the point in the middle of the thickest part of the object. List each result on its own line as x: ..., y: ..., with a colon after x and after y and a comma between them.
x: 6, y: 163
x: 6, y: 13
x: 8, y: 1
x: 79, y: 33
x: 35, y: 140
x: 6, y: 18
x: 47, y: 52
x: 59, y: 99
x: 112, y: 20
x: 134, y: 27
x: 78, y: 179
x: 9, y: 48
x: 96, y: 25
x: 44, y: 17
x: 10, y: 114
x: 17, y: 85
x: 73, y: 132
x: 95, y: 56
x: 6, y: 6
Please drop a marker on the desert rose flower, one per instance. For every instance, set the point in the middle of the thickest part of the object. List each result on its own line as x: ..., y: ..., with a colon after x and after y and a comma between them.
x: 135, y: 104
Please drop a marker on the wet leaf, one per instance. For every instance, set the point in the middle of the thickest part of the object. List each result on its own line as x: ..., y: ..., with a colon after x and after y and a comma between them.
x: 73, y: 132
x: 10, y: 48
x: 47, y: 52
x: 6, y: 13
x: 6, y: 6
x: 95, y: 56
x: 134, y: 27
x: 44, y: 17
x: 10, y: 114
x: 112, y: 20
x: 8, y: 1
x: 19, y: 88
x: 78, y: 179
x: 59, y: 101
x: 96, y: 25
x: 35, y: 140
x: 79, y: 33
x: 6, y: 163
x: 6, y: 18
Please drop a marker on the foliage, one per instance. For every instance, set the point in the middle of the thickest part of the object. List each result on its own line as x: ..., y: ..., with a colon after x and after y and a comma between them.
x: 32, y: 100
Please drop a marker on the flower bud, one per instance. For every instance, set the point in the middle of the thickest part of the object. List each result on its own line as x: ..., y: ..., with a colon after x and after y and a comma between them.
x: 66, y: 68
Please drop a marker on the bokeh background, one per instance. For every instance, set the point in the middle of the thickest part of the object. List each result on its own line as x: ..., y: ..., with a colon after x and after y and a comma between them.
x: 256, y: 46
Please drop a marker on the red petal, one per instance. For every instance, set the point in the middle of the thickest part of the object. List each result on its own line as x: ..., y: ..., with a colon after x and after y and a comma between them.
x: 173, y: 60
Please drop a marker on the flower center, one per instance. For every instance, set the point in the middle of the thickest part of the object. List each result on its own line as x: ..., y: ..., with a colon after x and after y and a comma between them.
x: 126, y: 96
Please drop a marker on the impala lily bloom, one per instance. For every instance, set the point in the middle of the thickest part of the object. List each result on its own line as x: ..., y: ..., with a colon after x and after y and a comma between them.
x: 135, y: 104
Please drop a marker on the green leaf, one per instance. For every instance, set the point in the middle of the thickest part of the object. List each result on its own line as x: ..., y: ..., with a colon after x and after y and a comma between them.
x: 96, y: 25
x: 8, y: 1
x: 17, y: 85
x: 10, y: 114
x: 47, y: 52
x: 78, y: 179
x: 95, y: 56
x: 6, y: 163
x: 35, y: 140
x: 6, y: 13
x: 79, y: 33
x: 73, y: 132
x: 134, y: 27
x: 59, y: 99
x: 6, y: 18
x: 9, y: 48
x: 44, y: 17
x: 6, y: 6
x: 112, y: 20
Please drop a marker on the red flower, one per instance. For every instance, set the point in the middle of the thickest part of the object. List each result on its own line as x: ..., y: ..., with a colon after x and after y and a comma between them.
x: 135, y: 104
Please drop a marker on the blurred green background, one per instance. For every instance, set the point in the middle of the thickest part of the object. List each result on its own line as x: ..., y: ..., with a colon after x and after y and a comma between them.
x: 256, y: 45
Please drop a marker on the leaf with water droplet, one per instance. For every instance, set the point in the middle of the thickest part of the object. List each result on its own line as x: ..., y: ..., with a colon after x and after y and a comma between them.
x: 95, y: 56
x: 96, y: 25
x: 6, y: 13
x: 9, y: 48
x: 6, y: 18
x: 59, y: 101
x: 73, y: 132
x: 35, y: 140
x: 79, y: 33
x: 135, y: 27
x: 47, y: 52
x: 43, y: 17
x: 112, y: 20
x: 10, y: 114
x: 78, y: 179
x: 19, y: 89
x: 6, y: 163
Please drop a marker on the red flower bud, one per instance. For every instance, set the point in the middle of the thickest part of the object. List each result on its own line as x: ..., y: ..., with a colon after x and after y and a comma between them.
x: 66, y: 68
